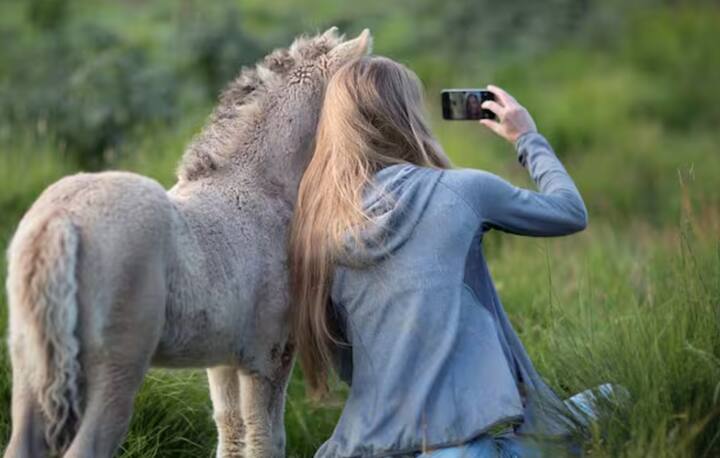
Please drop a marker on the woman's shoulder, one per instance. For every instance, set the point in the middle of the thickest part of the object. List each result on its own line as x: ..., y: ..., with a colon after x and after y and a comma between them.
x: 476, y: 187
x: 395, y: 175
x: 466, y: 180
x: 468, y: 183
x: 406, y: 167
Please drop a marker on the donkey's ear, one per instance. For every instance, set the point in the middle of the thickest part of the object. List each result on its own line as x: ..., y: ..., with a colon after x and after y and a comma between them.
x: 331, y: 33
x: 352, y: 49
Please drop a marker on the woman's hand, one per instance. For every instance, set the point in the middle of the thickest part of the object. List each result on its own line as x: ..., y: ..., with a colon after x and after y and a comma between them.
x: 513, y: 119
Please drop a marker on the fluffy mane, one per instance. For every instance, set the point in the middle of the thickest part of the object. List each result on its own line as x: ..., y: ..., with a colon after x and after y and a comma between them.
x: 240, y: 104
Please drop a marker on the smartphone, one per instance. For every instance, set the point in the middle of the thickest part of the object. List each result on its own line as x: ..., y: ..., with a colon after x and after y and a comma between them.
x: 464, y: 104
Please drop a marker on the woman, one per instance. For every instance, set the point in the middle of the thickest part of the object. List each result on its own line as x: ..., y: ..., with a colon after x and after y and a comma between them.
x: 390, y: 284
x: 472, y: 106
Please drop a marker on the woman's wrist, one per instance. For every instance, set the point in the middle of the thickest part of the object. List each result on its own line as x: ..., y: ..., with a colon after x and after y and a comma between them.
x: 523, y: 135
x: 522, y: 147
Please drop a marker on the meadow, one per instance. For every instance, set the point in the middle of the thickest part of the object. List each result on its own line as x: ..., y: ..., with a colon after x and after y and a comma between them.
x: 628, y: 97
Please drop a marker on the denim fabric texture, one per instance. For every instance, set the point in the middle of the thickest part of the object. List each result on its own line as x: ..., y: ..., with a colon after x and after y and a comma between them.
x: 488, y: 447
x: 431, y: 357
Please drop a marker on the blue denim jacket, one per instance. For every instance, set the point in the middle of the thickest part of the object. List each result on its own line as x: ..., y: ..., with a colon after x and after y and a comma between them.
x: 432, y: 359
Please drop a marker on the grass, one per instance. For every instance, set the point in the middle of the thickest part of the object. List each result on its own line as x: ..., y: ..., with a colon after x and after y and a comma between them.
x: 640, y: 310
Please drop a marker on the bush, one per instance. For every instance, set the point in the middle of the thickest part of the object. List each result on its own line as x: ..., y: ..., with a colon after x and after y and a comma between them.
x: 217, y: 48
x: 87, y: 89
x: 678, y: 48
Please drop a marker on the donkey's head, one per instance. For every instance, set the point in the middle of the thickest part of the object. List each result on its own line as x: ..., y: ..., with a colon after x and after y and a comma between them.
x: 268, y: 115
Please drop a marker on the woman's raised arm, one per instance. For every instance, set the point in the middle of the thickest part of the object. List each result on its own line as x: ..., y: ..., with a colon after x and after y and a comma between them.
x: 557, y: 209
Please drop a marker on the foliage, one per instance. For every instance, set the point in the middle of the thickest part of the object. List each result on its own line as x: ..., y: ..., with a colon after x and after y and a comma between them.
x: 216, y: 51
x: 88, y: 88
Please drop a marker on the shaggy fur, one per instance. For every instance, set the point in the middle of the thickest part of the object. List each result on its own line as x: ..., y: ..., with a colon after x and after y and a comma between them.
x: 109, y: 273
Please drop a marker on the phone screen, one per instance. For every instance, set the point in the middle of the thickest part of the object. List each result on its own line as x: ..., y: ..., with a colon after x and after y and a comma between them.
x: 464, y: 104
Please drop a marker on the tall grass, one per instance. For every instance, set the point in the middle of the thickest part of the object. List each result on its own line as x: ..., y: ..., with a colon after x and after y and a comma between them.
x: 639, y: 309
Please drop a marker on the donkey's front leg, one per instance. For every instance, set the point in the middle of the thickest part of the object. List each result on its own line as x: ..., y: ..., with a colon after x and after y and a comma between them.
x: 263, y: 408
x: 225, y: 395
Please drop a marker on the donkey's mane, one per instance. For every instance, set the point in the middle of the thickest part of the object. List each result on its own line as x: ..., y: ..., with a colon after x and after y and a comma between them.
x: 240, y: 104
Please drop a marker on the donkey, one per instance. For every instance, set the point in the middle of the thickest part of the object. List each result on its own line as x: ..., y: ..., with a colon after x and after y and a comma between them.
x: 109, y: 273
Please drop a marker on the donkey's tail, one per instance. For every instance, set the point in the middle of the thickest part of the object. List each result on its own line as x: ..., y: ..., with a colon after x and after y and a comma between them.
x: 42, y: 288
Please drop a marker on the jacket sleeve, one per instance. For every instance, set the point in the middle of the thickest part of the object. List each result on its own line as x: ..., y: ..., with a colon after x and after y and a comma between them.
x: 555, y: 209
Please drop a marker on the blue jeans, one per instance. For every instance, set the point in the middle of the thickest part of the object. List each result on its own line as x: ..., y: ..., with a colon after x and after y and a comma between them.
x: 486, y: 446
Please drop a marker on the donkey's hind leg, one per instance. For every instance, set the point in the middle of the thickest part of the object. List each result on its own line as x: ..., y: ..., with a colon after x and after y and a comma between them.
x: 225, y: 395
x: 115, y: 366
x: 111, y: 390
x: 28, y: 424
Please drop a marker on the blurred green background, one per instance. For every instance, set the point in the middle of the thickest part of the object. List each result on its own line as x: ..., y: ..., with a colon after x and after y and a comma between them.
x: 628, y: 93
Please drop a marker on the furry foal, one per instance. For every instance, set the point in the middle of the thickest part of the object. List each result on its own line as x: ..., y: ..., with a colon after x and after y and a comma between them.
x: 110, y: 274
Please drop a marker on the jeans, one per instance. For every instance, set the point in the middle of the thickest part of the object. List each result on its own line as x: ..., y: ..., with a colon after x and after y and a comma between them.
x: 486, y: 446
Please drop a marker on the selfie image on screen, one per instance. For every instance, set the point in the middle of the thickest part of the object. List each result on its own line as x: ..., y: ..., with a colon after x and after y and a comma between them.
x: 472, y: 105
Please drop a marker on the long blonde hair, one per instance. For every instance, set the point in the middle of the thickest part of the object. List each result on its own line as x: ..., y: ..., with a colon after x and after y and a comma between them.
x: 372, y: 117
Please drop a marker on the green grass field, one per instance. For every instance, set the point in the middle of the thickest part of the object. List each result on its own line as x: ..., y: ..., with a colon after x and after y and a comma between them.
x: 634, y: 299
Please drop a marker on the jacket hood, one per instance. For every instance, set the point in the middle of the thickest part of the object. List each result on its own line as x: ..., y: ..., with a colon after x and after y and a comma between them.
x: 395, y: 199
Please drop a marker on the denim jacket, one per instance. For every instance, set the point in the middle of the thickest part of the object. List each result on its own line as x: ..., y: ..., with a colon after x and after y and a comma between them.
x: 432, y: 359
